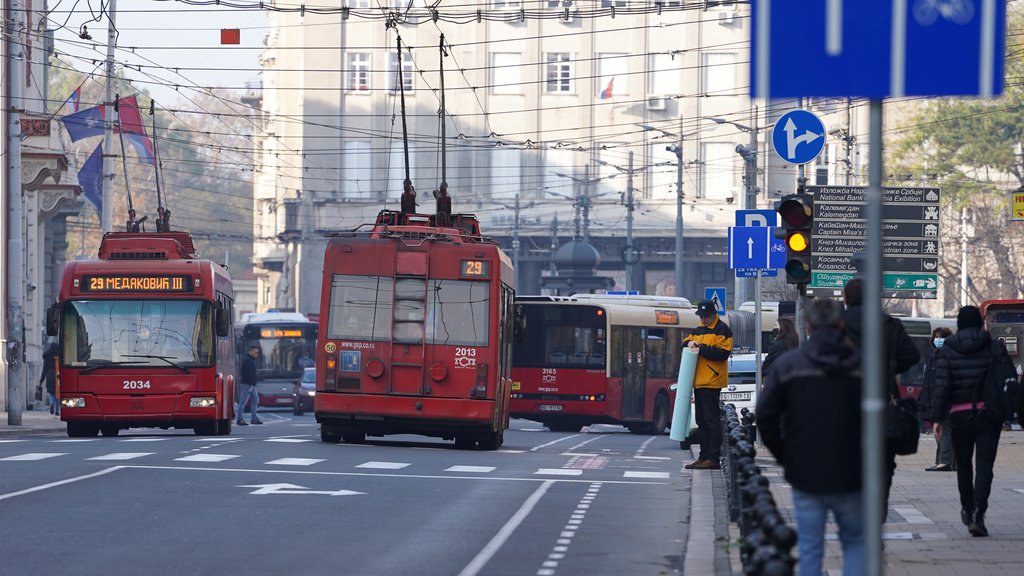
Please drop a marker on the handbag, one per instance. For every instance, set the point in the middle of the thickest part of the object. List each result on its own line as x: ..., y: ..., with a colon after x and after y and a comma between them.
x: 39, y: 392
x: 902, y: 428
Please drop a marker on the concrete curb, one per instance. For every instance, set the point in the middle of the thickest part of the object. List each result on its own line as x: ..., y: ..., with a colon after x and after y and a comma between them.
x: 709, y: 523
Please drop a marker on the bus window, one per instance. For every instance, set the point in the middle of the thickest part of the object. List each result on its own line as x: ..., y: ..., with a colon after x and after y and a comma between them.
x: 360, y: 307
x: 658, y: 356
x: 458, y: 313
x: 573, y: 337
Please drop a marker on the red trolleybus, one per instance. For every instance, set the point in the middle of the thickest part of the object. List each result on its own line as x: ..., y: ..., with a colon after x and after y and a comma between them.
x: 144, y: 336
x: 415, y: 334
x: 1004, y: 319
x: 583, y: 361
x: 287, y: 343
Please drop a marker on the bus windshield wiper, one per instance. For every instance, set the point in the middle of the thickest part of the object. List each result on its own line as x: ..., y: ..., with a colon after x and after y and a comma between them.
x: 106, y: 364
x: 164, y: 358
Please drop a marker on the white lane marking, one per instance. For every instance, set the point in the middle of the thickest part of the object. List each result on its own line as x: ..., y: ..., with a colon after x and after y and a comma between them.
x: 206, y: 458
x: 32, y: 456
x: 288, y: 440
x: 643, y: 447
x: 73, y: 440
x: 295, y: 461
x: 222, y: 440
x: 477, y: 563
x: 565, y: 537
x: 384, y: 465
x: 122, y: 456
x: 511, y: 451
x: 636, y: 474
x: 295, y: 489
x: 584, y: 443
x: 535, y: 448
x: 559, y: 471
x: 652, y: 457
x: 482, y: 469
x: 10, y: 441
x: 58, y: 483
x: 143, y: 440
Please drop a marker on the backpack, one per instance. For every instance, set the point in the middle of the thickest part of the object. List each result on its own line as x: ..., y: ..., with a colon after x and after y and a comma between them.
x: 994, y: 387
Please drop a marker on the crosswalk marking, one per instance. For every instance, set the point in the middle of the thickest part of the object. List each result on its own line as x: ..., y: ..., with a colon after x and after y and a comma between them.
x: 288, y: 440
x: 74, y: 440
x: 121, y: 456
x: 32, y: 456
x: 559, y: 471
x: 482, y: 469
x: 639, y: 474
x: 206, y: 458
x: 383, y: 465
x: 143, y: 440
x: 295, y: 461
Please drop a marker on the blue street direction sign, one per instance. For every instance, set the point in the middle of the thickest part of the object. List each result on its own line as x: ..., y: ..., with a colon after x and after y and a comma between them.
x: 877, y: 48
x: 757, y: 218
x: 717, y: 295
x: 798, y: 137
x: 749, y: 246
x: 777, y: 257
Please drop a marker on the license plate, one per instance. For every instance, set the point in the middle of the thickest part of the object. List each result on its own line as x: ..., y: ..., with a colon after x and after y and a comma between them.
x: 735, y: 396
x: 284, y: 400
x: 550, y: 407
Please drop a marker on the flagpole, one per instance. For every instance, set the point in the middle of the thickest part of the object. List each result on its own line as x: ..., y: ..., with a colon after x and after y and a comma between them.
x: 107, y: 217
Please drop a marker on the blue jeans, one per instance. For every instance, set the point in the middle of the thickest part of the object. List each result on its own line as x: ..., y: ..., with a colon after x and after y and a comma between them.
x: 811, y: 512
x: 54, y: 403
x: 248, y: 392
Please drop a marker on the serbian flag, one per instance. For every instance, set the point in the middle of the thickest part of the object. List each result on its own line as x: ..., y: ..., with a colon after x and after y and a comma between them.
x: 75, y: 99
x: 90, y: 178
x: 607, y: 92
x: 91, y: 121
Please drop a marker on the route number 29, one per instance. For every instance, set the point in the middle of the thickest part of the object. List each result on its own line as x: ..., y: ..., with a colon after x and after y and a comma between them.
x: 136, y: 384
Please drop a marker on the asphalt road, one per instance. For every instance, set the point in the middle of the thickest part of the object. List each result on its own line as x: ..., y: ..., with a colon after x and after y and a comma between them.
x: 273, y: 499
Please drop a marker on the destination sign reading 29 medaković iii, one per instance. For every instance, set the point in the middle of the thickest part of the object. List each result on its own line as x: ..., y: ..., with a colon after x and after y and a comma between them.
x: 910, y: 239
x: 136, y: 283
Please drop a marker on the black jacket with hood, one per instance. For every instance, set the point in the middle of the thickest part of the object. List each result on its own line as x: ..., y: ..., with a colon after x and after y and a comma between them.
x: 809, y: 414
x: 960, y: 365
x: 901, y: 354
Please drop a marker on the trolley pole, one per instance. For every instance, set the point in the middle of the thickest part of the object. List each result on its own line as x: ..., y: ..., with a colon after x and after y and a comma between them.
x: 15, y: 213
x: 107, y: 217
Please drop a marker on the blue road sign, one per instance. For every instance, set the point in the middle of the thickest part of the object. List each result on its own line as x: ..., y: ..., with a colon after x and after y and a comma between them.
x: 865, y: 48
x: 798, y: 137
x: 757, y: 218
x: 749, y: 246
x: 752, y: 273
x: 717, y: 295
x: 763, y: 218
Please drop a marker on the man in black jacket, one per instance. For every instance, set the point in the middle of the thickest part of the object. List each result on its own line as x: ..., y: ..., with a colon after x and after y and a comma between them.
x: 901, y: 354
x: 809, y: 417
x: 247, y: 379
x: 960, y: 367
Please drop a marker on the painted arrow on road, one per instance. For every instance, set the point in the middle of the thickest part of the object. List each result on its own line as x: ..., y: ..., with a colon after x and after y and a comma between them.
x: 295, y: 489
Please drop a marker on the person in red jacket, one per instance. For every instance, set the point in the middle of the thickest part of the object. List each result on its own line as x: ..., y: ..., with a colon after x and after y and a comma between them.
x: 713, y: 342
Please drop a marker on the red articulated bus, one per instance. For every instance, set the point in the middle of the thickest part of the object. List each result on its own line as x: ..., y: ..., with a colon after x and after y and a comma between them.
x: 415, y: 333
x: 145, y: 338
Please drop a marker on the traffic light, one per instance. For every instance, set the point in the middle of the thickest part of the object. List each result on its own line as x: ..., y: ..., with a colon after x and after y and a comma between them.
x: 797, y: 214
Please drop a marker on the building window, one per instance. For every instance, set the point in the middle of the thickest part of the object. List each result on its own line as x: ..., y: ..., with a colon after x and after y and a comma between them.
x: 559, y: 4
x: 718, y: 170
x: 612, y: 80
x: 506, y: 73
x: 358, y: 71
x: 559, y: 73
x: 614, y: 3
x: 393, y: 72
x: 719, y: 73
x: 507, y: 4
x: 358, y: 170
x: 357, y: 3
x: 506, y: 170
x: 666, y: 75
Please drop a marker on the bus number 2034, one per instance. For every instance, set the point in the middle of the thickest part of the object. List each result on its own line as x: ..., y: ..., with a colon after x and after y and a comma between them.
x: 136, y: 384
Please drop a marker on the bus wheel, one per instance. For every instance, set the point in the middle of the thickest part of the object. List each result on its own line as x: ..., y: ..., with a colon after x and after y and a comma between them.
x: 465, y: 442
x: 224, y: 427
x: 660, y: 415
x: 110, y: 431
x: 329, y: 435
x: 564, y: 427
x: 205, y: 429
x: 354, y: 437
x: 491, y: 440
x: 82, y: 430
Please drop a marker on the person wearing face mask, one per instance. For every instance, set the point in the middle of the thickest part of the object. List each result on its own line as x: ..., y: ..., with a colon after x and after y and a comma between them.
x: 784, y: 339
x: 945, y: 461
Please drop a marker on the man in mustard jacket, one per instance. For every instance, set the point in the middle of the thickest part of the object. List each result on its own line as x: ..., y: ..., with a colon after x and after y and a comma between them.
x: 713, y: 342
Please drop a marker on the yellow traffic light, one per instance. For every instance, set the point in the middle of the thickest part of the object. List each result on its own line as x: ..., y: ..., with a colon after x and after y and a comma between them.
x: 798, y: 241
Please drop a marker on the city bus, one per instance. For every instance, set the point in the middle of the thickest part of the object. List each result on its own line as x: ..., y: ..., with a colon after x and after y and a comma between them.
x: 144, y: 334
x: 287, y: 343
x: 1004, y: 319
x: 416, y: 323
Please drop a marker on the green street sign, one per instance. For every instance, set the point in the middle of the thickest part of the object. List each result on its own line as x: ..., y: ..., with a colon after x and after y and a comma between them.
x: 830, y: 279
x: 910, y: 282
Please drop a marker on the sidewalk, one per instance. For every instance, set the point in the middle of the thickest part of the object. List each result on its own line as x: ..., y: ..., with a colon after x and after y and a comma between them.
x: 923, y: 534
x: 33, y: 422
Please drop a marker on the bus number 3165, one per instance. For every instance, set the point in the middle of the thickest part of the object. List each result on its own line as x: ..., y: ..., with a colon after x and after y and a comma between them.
x: 136, y: 384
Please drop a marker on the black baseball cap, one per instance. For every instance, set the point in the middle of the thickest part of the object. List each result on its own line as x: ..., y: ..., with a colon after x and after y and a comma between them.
x: 706, y: 308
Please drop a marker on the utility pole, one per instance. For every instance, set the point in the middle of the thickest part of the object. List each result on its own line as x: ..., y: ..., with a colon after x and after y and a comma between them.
x: 515, y: 237
x: 107, y: 218
x: 630, y: 250
x: 679, y: 209
x: 963, y: 256
x: 15, y: 243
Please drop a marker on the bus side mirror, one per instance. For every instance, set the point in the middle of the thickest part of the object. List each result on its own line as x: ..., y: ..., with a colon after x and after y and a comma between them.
x: 519, y: 324
x: 52, y: 320
x: 222, y: 322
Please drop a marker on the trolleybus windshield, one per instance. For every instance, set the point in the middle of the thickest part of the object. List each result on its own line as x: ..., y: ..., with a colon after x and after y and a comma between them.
x: 562, y: 336
x: 285, y: 350
x: 142, y: 333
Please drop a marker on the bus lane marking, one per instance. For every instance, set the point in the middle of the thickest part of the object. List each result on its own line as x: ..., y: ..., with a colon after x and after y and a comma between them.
x: 535, y: 448
x: 285, y: 488
x: 32, y: 456
x: 564, y: 540
x: 560, y: 471
x: 480, y: 469
x: 58, y: 483
x: 206, y: 458
x: 384, y: 465
x: 643, y: 448
x: 295, y: 461
x: 484, y: 556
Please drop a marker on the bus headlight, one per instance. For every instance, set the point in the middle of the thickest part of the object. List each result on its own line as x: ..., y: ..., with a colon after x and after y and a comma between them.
x: 202, y: 402
x: 73, y: 402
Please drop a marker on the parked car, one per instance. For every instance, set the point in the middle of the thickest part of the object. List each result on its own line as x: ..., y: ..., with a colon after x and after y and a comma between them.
x: 303, y: 392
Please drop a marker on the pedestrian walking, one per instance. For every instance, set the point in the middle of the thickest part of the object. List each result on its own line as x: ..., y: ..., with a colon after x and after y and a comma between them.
x: 247, y: 379
x: 49, y: 375
x: 967, y: 361
x: 784, y: 339
x: 713, y: 342
x: 900, y: 355
x: 944, y: 458
x: 809, y: 418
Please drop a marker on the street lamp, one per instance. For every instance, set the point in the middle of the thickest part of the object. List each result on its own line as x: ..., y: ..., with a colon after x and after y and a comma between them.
x: 676, y: 149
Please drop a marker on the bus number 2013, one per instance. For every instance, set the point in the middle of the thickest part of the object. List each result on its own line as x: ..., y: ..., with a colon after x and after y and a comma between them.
x: 465, y: 352
x: 136, y: 384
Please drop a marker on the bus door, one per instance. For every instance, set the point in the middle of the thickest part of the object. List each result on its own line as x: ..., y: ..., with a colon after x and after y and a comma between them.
x: 1005, y: 321
x: 633, y: 373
